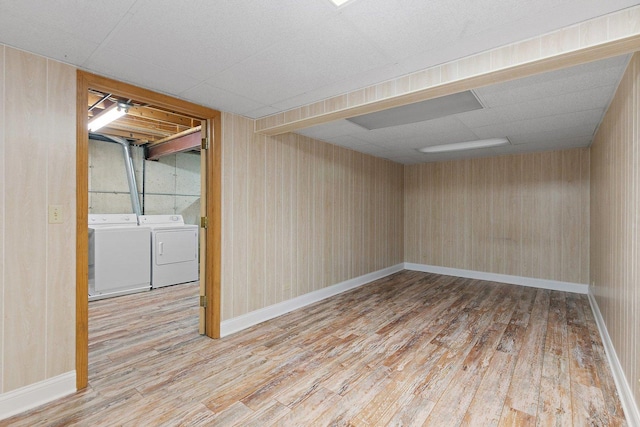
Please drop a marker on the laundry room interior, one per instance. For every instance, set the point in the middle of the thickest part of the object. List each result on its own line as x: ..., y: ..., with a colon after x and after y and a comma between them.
x: 145, y: 238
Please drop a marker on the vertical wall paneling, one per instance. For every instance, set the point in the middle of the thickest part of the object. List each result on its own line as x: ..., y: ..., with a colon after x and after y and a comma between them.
x: 25, y: 265
x: 302, y: 215
x: 60, y: 153
x: 256, y: 217
x: 615, y: 223
x: 2, y: 216
x: 271, y: 224
x: 227, y: 294
x: 37, y: 166
x: 239, y: 279
x: 513, y: 214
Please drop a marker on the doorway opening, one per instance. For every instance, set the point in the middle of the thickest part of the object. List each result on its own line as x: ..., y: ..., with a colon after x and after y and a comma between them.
x: 153, y: 126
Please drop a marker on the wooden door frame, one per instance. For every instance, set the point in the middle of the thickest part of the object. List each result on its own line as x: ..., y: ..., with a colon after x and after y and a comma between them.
x: 213, y: 209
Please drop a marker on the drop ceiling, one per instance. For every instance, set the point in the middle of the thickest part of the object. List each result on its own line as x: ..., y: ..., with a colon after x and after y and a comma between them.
x: 257, y: 57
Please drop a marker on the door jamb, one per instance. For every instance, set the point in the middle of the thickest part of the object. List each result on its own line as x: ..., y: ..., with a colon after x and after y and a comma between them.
x: 213, y: 209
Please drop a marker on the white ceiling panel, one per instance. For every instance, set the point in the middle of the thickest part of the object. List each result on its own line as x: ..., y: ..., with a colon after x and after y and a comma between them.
x: 575, y: 79
x: 90, y: 21
x: 327, y: 53
x: 589, y: 119
x: 132, y: 69
x: 225, y: 101
x: 44, y: 39
x: 542, y: 136
x: 538, y: 108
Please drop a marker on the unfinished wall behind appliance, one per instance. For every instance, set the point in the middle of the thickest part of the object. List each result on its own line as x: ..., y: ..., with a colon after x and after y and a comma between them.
x: 615, y: 223
x: 299, y: 215
x: 108, y: 186
x: 522, y: 215
x: 170, y: 185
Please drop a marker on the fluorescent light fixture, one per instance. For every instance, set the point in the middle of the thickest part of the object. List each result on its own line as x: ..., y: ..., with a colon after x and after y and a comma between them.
x: 110, y: 114
x: 339, y: 2
x: 467, y: 145
x: 420, y: 111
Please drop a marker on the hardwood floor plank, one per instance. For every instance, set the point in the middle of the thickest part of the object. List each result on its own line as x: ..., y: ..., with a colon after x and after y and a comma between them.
x: 486, y: 406
x: 410, y: 349
x: 555, y: 388
x: 524, y: 391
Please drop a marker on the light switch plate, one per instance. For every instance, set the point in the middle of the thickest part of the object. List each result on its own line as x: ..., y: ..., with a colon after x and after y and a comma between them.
x: 55, y: 214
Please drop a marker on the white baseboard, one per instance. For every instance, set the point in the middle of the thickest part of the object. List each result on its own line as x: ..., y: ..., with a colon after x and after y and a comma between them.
x: 531, y: 282
x: 25, y: 398
x: 236, y: 324
x: 624, y: 389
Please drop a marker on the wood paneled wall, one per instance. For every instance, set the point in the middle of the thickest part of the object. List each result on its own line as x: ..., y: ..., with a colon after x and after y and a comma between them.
x: 300, y: 215
x: 523, y: 215
x: 615, y: 222
x: 37, y: 169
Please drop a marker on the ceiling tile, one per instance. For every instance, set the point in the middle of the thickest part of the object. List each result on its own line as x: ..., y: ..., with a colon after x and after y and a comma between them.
x: 220, y: 99
x: 132, y: 69
x: 583, y: 119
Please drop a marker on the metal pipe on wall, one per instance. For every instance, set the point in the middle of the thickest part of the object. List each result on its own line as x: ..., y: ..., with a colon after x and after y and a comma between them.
x: 131, y: 175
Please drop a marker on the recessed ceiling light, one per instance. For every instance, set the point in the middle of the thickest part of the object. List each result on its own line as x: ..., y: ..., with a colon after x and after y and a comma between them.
x: 467, y: 145
x: 419, y: 111
x: 339, y: 2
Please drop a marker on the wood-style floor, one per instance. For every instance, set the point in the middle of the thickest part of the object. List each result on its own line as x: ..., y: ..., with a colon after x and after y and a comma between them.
x: 410, y: 349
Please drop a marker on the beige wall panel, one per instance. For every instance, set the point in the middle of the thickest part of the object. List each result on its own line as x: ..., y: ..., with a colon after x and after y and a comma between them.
x: 528, y: 214
x: 564, y: 40
x: 303, y: 215
x: 322, y: 214
x: 3, y: 177
x: 514, y: 215
x: 615, y: 234
x: 25, y: 264
x: 256, y: 216
x: 358, y: 206
x: 61, y: 156
x: 240, y: 143
x: 480, y: 217
x: 505, y: 215
x: 287, y: 244
x: 447, y: 221
x: 498, y: 213
x: 303, y: 212
x: 585, y: 197
x: 292, y: 145
x: 412, y: 204
x: 572, y: 208
x: 271, y: 193
x: 226, y: 307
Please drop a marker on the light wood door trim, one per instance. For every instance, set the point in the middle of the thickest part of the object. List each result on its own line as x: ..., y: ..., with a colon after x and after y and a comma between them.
x: 212, y: 194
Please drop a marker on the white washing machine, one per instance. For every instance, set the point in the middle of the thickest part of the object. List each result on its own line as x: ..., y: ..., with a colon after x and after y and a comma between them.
x: 119, y: 256
x: 174, y: 250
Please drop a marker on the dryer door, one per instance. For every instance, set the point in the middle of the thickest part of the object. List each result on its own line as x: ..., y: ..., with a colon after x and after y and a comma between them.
x: 176, y: 246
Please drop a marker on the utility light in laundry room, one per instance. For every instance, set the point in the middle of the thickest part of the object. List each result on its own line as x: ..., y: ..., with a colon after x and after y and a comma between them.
x: 110, y: 114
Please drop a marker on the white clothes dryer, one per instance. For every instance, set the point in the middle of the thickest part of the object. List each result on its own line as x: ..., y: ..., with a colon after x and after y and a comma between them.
x: 119, y: 256
x: 174, y: 250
